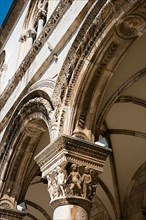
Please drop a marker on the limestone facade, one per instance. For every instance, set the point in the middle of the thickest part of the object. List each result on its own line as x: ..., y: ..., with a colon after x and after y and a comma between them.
x: 72, y: 110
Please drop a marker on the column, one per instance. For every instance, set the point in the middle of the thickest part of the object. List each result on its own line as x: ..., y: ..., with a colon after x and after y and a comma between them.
x: 40, y: 19
x: 27, y: 39
x: 71, y: 167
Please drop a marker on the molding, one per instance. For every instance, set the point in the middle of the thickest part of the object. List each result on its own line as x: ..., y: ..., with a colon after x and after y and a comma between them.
x: 31, y: 216
x: 125, y: 132
x: 81, y: 49
x: 66, y: 149
x: 131, y: 99
x: 62, y: 7
x: 37, y: 90
x: 10, y: 20
x: 32, y: 110
x: 10, y: 214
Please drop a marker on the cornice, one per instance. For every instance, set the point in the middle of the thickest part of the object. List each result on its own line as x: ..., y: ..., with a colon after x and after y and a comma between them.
x: 73, y: 150
x: 36, y: 47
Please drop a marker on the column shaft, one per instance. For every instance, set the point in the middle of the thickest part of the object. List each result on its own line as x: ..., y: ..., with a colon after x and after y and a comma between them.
x: 70, y: 212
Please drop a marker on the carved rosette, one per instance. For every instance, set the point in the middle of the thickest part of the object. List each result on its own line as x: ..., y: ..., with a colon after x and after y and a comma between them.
x: 71, y: 167
x: 131, y: 26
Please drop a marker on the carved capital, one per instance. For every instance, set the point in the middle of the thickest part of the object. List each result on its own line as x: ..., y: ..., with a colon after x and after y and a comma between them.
x: 71, y: 166
x: 31, y: 33
x: 41, y: 14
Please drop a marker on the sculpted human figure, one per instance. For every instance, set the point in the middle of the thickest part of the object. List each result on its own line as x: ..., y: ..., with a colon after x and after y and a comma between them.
x: 75, y: 179
x: 86, y: 179
x: 53, y: 188
x: 61, y: 179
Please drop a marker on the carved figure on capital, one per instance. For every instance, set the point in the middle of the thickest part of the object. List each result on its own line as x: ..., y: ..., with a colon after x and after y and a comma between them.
x: 61, y: 179
x: 74, y: 180
x: 86, y: 181
x: 53, y: 187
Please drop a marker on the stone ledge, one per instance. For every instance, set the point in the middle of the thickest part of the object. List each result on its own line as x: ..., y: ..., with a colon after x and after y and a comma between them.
x: 10, y: 214
x: 73, y: 150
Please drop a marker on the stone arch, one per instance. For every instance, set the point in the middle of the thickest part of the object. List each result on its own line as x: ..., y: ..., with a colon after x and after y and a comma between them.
x: 89, y: 66
x: 133, y: 203
x: 26, y: 126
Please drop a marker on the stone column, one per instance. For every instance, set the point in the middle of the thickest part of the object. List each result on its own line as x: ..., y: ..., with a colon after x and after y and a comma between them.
x: 40, y: 19
x: 71, y: 167
x: 28, y: 38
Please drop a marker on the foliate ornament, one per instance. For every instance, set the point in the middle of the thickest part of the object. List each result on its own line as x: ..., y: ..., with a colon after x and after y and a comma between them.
x: 11, y: 214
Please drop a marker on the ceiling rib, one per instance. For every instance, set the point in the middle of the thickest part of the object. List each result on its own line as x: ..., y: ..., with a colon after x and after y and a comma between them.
x: 131, y: 99
x: 126, y: 132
